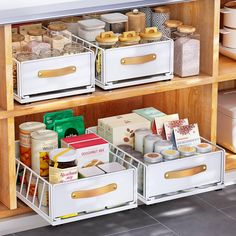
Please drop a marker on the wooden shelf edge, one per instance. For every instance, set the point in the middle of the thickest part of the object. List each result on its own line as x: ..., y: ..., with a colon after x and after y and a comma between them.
x: 100, y: 96
x: 227, y: 69
x: 20, y: 210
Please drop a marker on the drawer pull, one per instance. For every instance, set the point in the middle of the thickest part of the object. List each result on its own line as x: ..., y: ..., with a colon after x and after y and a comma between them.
x: 94, y: 192
x: 138, y: 60
x: 185, y: 173
x: 57, y: 72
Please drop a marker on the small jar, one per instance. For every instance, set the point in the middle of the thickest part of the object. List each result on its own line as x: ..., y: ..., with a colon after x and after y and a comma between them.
x: 62, y: 166
x: 186, y: 52
x: 150, y: 35
x: 139, y: 135
x: 172, y: 25
x: 129, y: 38
x: 107, y: 40
x: 37, y: 46
x: 149, y: 142
x: 26, y: 56
x: 204, y: 148
x: 170, y: 155
x: 162, y: 145
x: 36, y: 34
x: 115, y: 22
x: 17, y: 43
x: 73, y: 48
x: 187, y: 151
x: 152, y: 158
x: 49, y: 52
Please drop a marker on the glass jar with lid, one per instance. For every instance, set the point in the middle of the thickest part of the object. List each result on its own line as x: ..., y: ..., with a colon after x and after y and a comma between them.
x: 186, y: 52
x: 17, y: 43
x: 49, y: 52
x: 26, y: 56
x: 172, y: 25
x: 72, y: 23
x: 107, y: 40
x: 129, y: 38
x: 36, y: 34
x: 73, y: 48
x: 151, y: 34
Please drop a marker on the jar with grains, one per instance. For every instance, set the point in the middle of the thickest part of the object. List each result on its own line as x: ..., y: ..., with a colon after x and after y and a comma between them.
x: 186, y: 52
x: 37, y: 46
x: 49, y: 52
x: 73, y: 48
x: 172, y: 25
x: 26, y: 56
x: 17, y: 43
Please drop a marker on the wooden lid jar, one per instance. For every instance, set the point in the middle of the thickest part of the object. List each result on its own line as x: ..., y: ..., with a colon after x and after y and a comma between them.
x: 151, y: 34
x: 107, y: 39
x: 136, y: 21
x: 129, y: 38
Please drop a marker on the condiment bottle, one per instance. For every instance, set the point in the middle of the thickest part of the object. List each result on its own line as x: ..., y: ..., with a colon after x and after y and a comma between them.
x: 129, y: 38
x: 172, y: 25
x: 149, y: 142
x: 150, y: 35
x: 17, y: 43
x: 136, y: 21
x: 107, y: 40
x: 186, y: 52
x: 36, y: 34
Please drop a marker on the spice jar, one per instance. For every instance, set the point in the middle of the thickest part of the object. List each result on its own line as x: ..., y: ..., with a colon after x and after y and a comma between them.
x: 187, y: 151
x: 63, y: 167
x: 149, y: 142
x: 26, y: 56
x: 172, y: 26
x: 107, y: 40
x: 170, y: 155
x: 49, y: 52
x: 139, y: 135
x: 186, y: 52
x: 72, y: 23
x: 115, y: 22
x: 160, y: 15
x: 152, y: 158
x: 73, y: 48
x: 150, y: 35
x: 148, y: 15
x: 17, y: 43
x: 136, y: 21
x: 35, y: 34
x: 204, y: 148
x: 162, y: 145
x: 90, y: 29
x: 129, y: 38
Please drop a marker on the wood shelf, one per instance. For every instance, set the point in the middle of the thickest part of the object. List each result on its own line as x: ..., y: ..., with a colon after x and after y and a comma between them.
x: 227, y: 69
x: 21, y: 209
x: 230, y: 161
x: 105, y: 96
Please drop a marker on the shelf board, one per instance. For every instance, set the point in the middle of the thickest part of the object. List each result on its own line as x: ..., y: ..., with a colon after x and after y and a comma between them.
x: 227, y: 69
x: 105, y: 96
x: 21, y: 209
x: 230, y: 161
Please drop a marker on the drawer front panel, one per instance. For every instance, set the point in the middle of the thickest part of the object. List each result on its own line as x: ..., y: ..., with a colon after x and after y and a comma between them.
x: 138, y: 61
x: 183, y: 174
x: 93, y: 194
x: 54, y: 74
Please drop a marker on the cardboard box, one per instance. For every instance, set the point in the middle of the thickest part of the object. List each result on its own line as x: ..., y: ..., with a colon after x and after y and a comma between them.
x: 90, y: 171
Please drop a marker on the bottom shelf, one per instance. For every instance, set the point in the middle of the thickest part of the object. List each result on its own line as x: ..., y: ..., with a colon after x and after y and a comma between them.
x: 20, y: 210
x: 230, y: 161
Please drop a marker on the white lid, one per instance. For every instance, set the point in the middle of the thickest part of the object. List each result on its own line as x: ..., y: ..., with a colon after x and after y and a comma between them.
x: 227, y: 103
x: 31, y: 126
x: 65, y: 154
x: 91, y: 24
x: 114, y: 18
x: 44, y: 135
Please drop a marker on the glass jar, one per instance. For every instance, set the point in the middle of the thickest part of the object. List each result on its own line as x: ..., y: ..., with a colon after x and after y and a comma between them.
x: 26, y: 56
x: 150, y: 35
x: 186, y: 52
x: 17, y: 43
x: 172, y: 26
x: 36, y: 34
x: 37, y: 46
x: 72, y: 24
x: 50, y: 52
x: 107, y: 40
x: 73, y: 48
x: 129, y: 38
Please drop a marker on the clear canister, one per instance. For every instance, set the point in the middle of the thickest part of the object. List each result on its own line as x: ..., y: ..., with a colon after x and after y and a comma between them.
x: 72, y: 23
x: 17, y: 43
x: 26, y: 56
x: 172, y: 25
x: 36, y: 34
x: 73, y: 48
x: 107, y: 40
x: 151, y: 34
x: 49, y: 52
x: 129, y: 38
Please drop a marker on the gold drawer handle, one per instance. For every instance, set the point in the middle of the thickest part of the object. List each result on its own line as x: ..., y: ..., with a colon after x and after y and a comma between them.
x: 185, y: 173
x: 57, y: 72
x: 138, y: 60
x: 94, y: 192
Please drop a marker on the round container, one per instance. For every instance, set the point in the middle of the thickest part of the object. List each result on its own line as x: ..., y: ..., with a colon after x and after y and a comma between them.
x: 57, y: 27
x: 204, y: 148
x: 26, y: 56
x: 36, y: 34
x: 115, y: 22
x: 149, y: 142
x: 136, y: 21
x: 150, y: 35
x: 162, y: 145
x: 46, y: 53
x: 229, y: 12
x: 25, y: 139
x: 148, y: 15
x: 72, y: 24
x: 173, y: 25
x: 170, y: 155
x: 187, y: 151
x: 17, y: 42
x: 73, y: 48
x: 139, y: 135
x: 42, y: 141
x: 229, y: 37
x: 107, y: 40
x: 152, y: 158
x: 129, y: 38
x: 159, y: 16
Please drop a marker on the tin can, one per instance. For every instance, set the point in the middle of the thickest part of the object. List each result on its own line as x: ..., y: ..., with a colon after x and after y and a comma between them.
x: 25, y: 139
x: 139, y: 138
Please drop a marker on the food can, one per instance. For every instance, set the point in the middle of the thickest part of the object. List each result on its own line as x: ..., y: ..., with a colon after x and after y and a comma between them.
x: 25, y: 139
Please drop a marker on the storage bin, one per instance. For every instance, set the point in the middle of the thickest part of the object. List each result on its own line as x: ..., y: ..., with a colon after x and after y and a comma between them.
x: 136, y: 64
x: 55, y: 77
x: 226, y: 124
x: 82, y: 198
x: 178, y: 178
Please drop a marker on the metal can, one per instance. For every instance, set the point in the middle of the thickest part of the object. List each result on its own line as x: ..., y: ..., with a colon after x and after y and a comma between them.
x: 25, y: 139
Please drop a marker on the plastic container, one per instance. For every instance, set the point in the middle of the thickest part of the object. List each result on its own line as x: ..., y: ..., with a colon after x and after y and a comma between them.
x: 162, y: 145
x: 204, y: 148
x: 139, y: 138
x: 170, y: 154
x: 72, y: 24
x: 152, y: 158
x: 149, y: 142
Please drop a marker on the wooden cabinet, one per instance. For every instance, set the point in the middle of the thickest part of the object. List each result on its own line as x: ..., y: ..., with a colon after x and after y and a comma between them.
x: 192, y: 97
